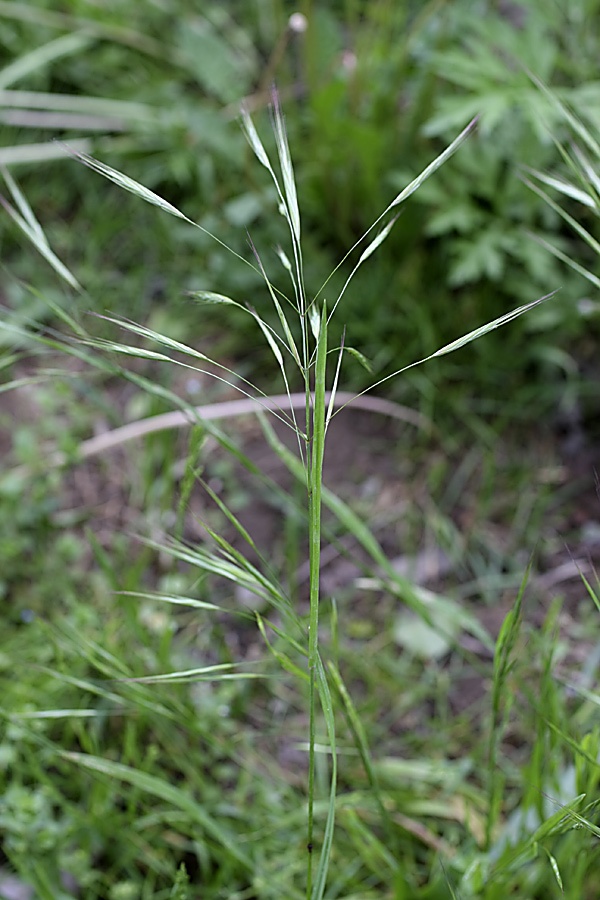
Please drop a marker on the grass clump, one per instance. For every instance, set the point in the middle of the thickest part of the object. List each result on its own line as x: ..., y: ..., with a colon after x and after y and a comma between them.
x: 152, y: 730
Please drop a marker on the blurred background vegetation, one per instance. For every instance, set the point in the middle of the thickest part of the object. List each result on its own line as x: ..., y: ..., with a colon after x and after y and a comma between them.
x: 372, y: 92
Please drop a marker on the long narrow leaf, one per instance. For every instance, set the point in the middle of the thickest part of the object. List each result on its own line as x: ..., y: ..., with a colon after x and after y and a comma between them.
x: 100, y: 106
x: 566, y: 259
x: 581, y: 231
x: 43, y: 56
x: 162, y: 789
x: 362, y: 744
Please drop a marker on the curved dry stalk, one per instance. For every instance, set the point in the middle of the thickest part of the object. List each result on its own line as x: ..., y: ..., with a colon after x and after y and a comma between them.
x: 225, y: 410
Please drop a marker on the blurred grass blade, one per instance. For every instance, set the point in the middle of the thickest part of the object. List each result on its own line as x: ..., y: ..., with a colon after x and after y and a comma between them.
x: 589, y: 588
x: 29, y: 12
x: 219, y: 671
x: 23, y: 206
x: 160, y: 788
x: 374, y: 854
x: 175, y: 599
x: 282, y: 658
x: 29, y: 118
x: 588, y: 171
x: 575, y: 123
x: 75, y: 103
x: 71, y: 713
x: 581, y: 231
x: 362, y: 745
x: 42, y: 56
x: 44, y: 151
x: 502, y: 699
x: 566, y: 259
x: 28, y: 223
x: 563, y: 187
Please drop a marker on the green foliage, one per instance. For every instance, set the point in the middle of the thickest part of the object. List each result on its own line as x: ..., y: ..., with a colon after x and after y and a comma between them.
x: 482, y: 210
x: 378, y: 85
x: 180, y: 888
x: 151, y: 747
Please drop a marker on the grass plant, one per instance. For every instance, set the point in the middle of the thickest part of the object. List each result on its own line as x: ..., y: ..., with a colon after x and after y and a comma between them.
x: 312, y: 361
x: 248, y: 846
x: 373, y: 90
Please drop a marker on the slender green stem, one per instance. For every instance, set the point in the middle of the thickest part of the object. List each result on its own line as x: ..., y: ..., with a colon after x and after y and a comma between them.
x: 315, y: 484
